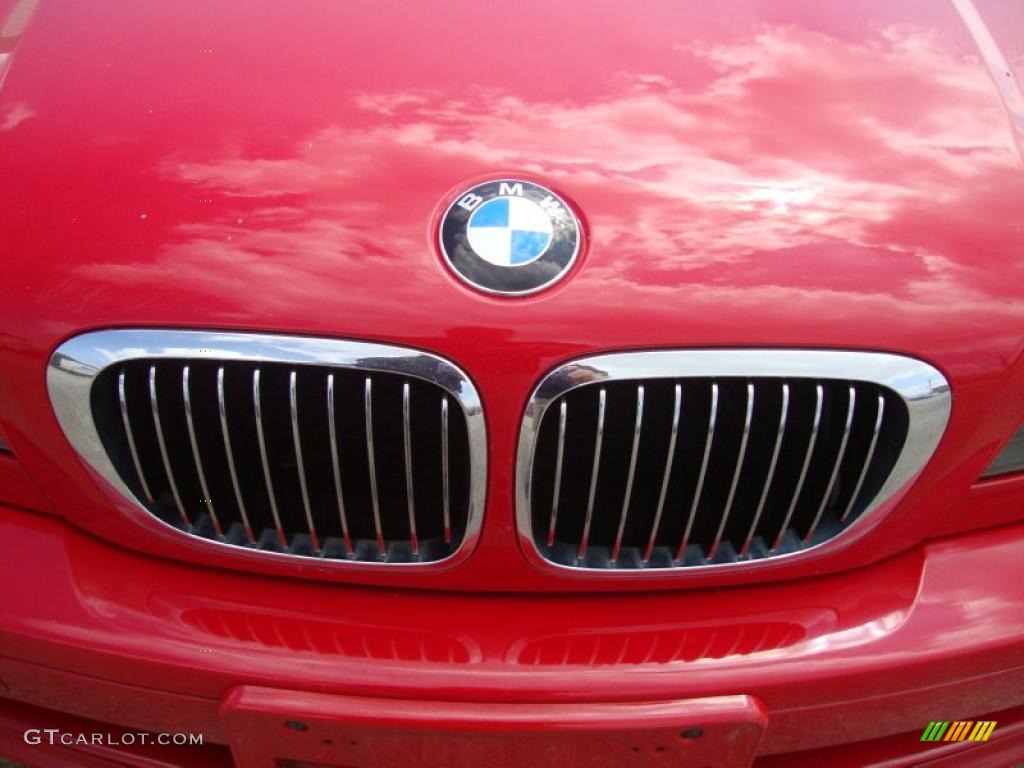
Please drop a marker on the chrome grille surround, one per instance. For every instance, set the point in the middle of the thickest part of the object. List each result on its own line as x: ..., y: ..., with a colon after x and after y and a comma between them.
x: 104, y: 356
x: 910, y: 384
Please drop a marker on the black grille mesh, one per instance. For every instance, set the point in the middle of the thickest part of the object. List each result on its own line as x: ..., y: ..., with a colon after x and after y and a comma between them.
x: 726, y: 497
x: 193, y: 488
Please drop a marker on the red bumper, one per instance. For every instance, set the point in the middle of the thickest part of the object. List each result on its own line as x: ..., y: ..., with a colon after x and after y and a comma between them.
x: 867, y: 657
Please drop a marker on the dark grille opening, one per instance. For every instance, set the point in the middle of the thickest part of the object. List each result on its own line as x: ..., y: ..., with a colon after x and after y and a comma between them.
x: 750, y: 468
x: 268, y: 479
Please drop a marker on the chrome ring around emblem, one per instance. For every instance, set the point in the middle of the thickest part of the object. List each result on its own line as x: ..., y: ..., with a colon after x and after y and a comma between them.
x: 509, y: 237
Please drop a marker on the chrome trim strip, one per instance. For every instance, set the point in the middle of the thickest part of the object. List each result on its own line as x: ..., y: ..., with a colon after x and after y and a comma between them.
x: 835, y: 465
x: 444, y: 471
x: 76, y: 363
x: 336, y: 466
x: 257, y: 405
x: 811, y: 441
x: 666, y: 474
x: 867, y: 460
x: 922, y: 388
x: 736, y: 473
x: 595, y: 468
x: 783, y: 413
x: 207, y: 498
x: 300, y: 465
x: 414, y: 538
x: 222, y: 408
x: 163, y: 446
x: 632, y: 471
x: 372, y: 464
x: 123, y: 401
x: 563, y: 413
x: 708, y: 441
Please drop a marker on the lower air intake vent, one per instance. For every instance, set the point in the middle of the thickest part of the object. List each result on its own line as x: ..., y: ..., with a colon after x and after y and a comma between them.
x: 667, y: 460
x: 336, y: 450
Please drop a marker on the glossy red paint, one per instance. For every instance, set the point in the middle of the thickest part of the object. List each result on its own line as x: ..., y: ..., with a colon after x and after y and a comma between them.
x: 151, y: 644
x: 740, y: 170
x: 801, y: 174
x: 366, y: 733
x: 16, y: 719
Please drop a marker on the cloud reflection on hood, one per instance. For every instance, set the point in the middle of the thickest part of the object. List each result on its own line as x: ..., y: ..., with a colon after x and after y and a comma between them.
x: 801, y: 173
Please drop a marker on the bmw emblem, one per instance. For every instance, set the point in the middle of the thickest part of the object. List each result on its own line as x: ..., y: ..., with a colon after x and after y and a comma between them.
x: 509, y: 237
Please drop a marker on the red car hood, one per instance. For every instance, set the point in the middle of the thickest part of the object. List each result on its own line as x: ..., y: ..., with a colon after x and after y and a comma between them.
x: 747, y: 174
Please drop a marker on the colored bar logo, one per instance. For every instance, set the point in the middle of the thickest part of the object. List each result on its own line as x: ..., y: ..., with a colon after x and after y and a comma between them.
x: 960, y: 730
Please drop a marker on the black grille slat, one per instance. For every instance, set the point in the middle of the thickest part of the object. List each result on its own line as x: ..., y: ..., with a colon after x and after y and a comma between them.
x: 186, y: 393
x: 741, y: 474
x: 773, y: 460
x: 229, y: 456
x: 256, y: 455
x: 666, y: 472
x: 165, y: 437
x: 339, y: 493
x: 130, y: 435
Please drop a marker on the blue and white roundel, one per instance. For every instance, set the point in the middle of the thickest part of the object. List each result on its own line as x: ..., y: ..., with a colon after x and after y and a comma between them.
x: 509, y: 231
x: 509, y: 237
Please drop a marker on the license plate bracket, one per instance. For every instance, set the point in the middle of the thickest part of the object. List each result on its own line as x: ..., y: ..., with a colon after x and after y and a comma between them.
x: 271, y: 728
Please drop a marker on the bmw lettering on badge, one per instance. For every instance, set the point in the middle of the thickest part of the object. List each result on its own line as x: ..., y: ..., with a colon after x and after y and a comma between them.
x: 509, y: 237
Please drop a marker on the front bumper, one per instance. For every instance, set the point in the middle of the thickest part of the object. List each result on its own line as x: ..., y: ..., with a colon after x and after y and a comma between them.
x: 936, y: 633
